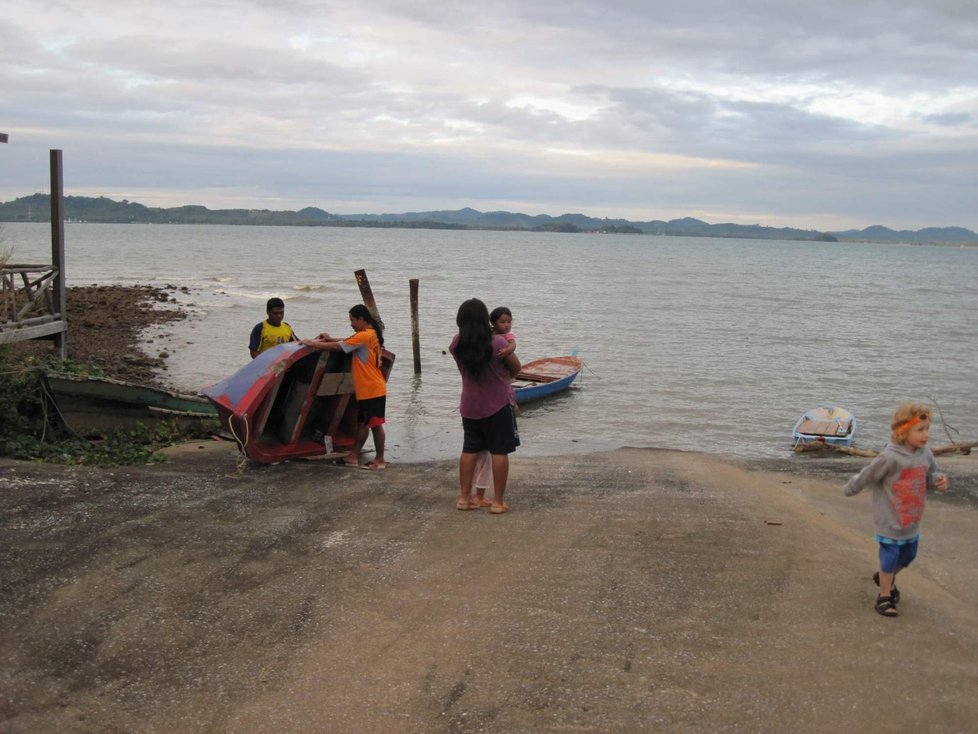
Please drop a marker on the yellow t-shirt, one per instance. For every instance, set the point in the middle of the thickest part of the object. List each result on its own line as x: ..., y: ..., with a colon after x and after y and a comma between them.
x: 271, y: 336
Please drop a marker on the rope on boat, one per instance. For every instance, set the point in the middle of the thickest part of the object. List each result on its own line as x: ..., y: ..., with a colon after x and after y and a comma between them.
x: 46, y: 398
x: 243, y: 461
x: 586, y: 367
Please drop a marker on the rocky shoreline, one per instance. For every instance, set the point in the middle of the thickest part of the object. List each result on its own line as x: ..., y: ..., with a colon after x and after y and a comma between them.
x: 105, y: 329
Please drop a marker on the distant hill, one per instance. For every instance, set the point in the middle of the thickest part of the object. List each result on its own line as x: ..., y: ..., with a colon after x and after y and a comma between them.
x: 101, y: 209
x: 879, y: 233
x: 37, y: 208
x: 581, y: 223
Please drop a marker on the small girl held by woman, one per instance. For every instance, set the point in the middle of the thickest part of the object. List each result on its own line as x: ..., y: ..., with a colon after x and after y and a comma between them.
x: 501, y: 319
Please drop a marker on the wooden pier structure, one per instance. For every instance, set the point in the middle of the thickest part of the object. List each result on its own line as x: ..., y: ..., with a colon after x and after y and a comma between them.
x: 32, y: 297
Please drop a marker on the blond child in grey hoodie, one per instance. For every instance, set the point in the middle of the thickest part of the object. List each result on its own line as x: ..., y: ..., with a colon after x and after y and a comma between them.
x: 900, y: 477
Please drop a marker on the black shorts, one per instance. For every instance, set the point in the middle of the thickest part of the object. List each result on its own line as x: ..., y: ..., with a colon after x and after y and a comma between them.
x: 496, y: 434
x: 372, y: 411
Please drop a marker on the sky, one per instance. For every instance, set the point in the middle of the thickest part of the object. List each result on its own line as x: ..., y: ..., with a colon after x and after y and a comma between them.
x: 824, y: 115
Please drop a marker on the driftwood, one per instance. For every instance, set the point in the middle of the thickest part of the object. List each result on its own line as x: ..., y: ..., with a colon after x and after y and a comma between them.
x: 821, y: 446
x: 951, y: 448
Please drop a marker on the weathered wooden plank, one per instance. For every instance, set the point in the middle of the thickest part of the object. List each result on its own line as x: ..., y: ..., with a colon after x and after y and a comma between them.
x: 9, y: 336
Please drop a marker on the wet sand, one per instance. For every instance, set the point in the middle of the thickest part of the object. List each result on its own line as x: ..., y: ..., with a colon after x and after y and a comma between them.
x: 629, y: 591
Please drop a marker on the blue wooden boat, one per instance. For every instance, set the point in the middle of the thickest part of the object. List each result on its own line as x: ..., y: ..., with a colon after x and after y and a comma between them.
x: 288, y: 400
x: 543, y: 377
x: 829, y: 424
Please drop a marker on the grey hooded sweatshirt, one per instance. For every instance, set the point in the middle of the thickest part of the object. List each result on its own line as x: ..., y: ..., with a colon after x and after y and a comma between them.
x: 900, y: 477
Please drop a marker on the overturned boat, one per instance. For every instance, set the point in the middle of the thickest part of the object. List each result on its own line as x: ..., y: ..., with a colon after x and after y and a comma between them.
x: 291, y: 402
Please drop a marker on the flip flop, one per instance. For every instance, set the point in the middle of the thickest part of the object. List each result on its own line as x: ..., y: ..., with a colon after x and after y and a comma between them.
x: 483, y: 502
x: 348, y: 464
x: 499, y: 509
x: 465, y: 506
x: 374, y: 466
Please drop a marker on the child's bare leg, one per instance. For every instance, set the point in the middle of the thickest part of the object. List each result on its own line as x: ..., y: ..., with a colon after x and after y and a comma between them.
x: 886, y: 583
x: 481, y: 477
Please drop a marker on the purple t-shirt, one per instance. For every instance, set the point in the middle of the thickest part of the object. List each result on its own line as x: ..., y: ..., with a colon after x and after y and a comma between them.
x: 492, y: 391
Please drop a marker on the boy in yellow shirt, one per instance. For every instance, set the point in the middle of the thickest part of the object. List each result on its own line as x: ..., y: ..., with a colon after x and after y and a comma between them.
x: 272, y: 331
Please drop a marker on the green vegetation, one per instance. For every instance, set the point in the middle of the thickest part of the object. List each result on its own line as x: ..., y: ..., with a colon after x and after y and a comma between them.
x: 31, y: 430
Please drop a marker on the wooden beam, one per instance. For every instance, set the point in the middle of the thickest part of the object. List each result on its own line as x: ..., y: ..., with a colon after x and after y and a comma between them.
x: 58, y: 246
x: 53, y: 328
x: 33, y: 321
x: 368, y: 296
x: 415, y: 331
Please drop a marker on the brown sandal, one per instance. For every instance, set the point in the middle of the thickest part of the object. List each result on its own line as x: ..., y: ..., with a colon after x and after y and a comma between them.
x: 894, y: 591
x: 886, y: 607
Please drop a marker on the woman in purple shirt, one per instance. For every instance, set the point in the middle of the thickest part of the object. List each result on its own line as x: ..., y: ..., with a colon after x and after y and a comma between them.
x: 488, y: 418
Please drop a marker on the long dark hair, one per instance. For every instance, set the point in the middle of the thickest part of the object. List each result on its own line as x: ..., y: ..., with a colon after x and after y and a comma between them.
x: 362, y: 312
x: 474, y: 347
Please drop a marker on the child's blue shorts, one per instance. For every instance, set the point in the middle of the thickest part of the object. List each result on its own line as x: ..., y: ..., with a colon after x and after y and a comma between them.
x: 894, y: 555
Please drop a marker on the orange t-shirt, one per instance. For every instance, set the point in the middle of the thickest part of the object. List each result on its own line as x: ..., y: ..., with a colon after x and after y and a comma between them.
x: 368, y: 380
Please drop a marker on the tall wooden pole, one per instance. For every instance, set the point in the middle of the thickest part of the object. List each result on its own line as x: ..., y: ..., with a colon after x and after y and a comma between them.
x: 368, y: 297
x: 58, y: 249
x: 415, y: 333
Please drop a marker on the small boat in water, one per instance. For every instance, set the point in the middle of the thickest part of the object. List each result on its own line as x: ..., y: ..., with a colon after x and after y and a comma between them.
x: 543, y: 377
x: 830, y: 425
x: 288, y: 401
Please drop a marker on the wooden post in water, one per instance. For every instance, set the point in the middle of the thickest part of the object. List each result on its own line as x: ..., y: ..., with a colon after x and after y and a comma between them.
x: 368, y: 296
x: 415, y: 334
x: 58, y: 251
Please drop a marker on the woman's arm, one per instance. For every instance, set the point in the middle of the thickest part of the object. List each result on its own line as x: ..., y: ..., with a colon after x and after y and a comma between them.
x: 322, y: 345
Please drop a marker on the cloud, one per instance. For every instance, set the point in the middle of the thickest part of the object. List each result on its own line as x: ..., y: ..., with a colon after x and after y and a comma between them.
x: 804, y: 113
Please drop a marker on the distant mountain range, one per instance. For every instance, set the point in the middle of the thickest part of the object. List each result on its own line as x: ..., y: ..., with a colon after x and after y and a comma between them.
x: 90, y: 209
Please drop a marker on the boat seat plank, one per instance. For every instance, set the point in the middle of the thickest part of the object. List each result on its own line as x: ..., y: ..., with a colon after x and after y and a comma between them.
x: 824, y: 428
x: 538, y: 376
x: 338, y: 410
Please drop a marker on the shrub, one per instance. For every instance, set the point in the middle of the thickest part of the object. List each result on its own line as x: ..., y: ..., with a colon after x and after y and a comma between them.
x: 30, y: 428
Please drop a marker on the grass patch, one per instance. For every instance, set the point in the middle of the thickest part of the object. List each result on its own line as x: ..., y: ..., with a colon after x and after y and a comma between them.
x: 30, y: 428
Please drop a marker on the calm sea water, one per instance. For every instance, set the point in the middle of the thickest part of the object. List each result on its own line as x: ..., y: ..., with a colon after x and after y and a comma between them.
x: 689, y: 343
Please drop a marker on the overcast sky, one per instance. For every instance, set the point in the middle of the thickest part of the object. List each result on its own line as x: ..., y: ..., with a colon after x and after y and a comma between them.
x: 827, y: 115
